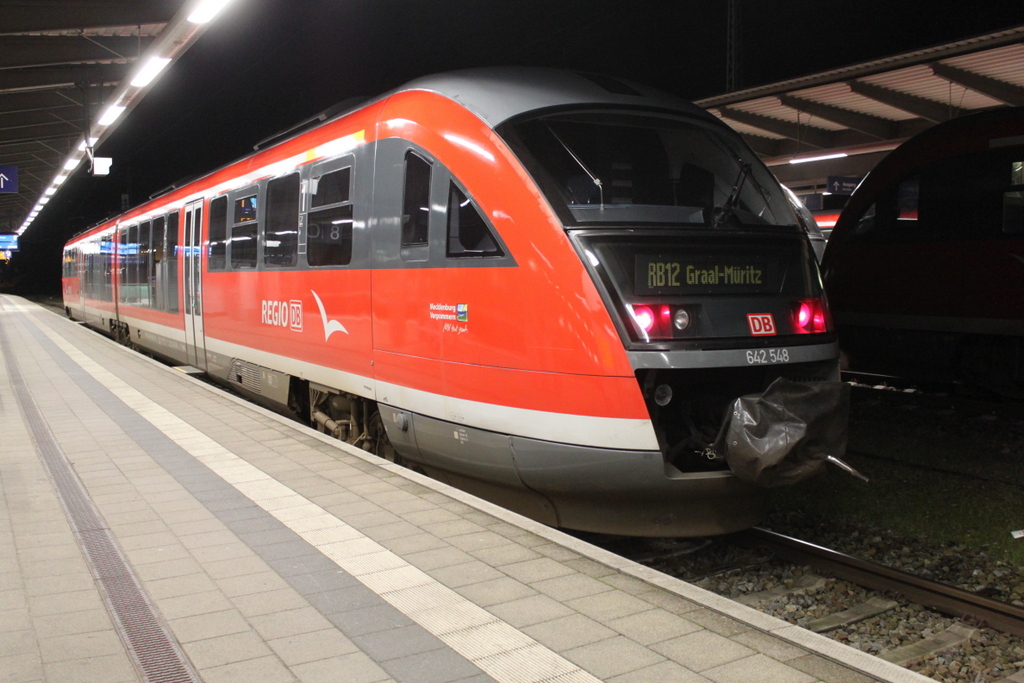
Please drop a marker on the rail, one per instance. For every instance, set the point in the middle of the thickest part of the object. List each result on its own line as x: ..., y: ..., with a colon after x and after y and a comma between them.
x: 938, y: 596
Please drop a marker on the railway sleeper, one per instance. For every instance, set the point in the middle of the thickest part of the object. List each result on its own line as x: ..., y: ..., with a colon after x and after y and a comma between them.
x: 865, y: 610
x: 802, y: 585
x: 954, y: 636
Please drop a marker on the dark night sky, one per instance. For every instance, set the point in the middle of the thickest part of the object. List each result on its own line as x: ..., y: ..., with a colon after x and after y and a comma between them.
x: 265, y: 64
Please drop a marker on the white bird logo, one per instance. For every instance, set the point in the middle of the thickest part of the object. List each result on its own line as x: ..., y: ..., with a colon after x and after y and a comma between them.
x: 330, y: 326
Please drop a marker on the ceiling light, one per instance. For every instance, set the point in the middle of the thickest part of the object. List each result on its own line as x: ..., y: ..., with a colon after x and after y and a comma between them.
x: 110, y: 115
x: 83, y: 144
x: 804, y: 160
x: 72, y: 163
x: 149, y: 71
x: 206, y: 11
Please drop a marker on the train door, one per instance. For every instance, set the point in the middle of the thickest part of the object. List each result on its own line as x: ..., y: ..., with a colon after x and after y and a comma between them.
x: 195, y: 345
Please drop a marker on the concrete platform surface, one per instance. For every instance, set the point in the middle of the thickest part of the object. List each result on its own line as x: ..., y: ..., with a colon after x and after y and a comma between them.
x: 156, y: 528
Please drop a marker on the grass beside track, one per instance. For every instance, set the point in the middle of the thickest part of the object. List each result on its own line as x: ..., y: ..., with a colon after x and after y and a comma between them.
x: 918, y: 437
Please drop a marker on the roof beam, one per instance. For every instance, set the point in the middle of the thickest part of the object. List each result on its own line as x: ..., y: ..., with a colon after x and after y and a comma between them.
x: 28, y: 122
x: 32, y: 80
x: 763, y: 147
x: 815, y: 137
x: 28, y: 51
x: 1007, y: 93
x: 56, y: 15
x: 16, y: 103
x: 869, y: 125
x: 53, y: 137
x: 912, y: 104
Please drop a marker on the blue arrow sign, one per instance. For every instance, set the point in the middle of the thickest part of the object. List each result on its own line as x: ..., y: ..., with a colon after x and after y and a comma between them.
x: 8, y: 178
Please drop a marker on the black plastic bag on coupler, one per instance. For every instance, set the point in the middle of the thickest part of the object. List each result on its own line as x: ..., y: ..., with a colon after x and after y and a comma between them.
x: 784, y: 434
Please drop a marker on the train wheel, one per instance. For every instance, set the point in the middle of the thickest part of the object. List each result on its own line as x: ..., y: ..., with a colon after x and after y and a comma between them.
x: 379, y: 443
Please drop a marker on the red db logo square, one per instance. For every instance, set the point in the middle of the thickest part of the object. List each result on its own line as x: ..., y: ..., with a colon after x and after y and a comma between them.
x: 761, y: 324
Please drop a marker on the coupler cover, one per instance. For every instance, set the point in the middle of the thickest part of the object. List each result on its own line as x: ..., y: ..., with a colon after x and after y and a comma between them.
x: 786, y: 433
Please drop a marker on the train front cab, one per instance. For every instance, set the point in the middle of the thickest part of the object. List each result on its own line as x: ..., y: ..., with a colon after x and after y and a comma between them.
x: 573, y: 390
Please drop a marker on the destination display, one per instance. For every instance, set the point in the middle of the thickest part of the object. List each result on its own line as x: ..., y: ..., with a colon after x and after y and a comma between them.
x: 672, y: 275
x: 9, y: 242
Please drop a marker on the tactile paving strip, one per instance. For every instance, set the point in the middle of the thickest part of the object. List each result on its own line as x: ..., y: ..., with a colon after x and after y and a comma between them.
x: 154, y: 651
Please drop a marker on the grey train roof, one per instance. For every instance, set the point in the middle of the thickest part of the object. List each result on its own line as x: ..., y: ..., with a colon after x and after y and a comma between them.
x: 498, y: 94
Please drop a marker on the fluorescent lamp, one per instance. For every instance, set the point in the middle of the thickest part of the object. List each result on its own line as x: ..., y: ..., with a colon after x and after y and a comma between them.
x: 804, y: 160
x: 59, y: 180
x: 110, y: 115
x: 43, y: 200
x: 72, y: 163
x: 206, y: 11
x: 50, y: 190
x: 83, y: 144
x: 149, y: 71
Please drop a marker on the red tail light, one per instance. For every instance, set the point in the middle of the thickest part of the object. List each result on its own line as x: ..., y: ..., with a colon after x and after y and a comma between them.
x: 810, y: 317
x: 644, y: 317
x: 656, y: 321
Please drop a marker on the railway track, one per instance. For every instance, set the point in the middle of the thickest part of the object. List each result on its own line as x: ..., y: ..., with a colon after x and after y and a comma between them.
x: 944, y: 632
x: 932, y: 594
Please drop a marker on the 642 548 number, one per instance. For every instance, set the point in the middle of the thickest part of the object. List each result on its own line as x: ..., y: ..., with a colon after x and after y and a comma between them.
x: 767, y: 356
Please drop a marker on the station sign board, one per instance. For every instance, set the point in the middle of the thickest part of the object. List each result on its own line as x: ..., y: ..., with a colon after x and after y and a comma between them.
x: 9, y: 179
x: 9, y: 242
x: 839, y: 184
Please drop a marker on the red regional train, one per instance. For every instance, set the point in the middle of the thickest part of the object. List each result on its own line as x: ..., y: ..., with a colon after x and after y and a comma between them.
x: 543, y: 287
x: 925, y: 267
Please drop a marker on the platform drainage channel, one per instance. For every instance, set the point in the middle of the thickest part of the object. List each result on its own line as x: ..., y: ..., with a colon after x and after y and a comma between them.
x: 154, y: 651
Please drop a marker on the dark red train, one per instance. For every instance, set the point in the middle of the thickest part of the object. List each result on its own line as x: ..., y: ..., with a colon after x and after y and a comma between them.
x: 544, y: 287
x: 925, y: 267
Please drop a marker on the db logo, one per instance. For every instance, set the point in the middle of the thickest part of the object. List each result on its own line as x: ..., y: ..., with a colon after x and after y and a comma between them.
x: 761, y: 324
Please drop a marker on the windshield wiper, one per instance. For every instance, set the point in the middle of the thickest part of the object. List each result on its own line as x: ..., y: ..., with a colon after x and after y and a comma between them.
x: 597, y: 181
x: 724, y: 212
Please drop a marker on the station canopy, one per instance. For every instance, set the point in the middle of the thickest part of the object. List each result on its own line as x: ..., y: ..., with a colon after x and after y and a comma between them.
x: 875, y: 106
x: 63, y: 64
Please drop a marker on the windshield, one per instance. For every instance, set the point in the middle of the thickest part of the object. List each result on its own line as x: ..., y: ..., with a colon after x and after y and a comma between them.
x: 643, y: 168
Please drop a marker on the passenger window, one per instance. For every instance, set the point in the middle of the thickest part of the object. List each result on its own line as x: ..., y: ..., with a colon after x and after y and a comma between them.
x: 1013, y: 201
x: 133, y: 264
x: 329, y: 236
x: 468, y: 233
x: 171, y: 263
x: 243, y: 233
x: 281, y: 241
x: 331, y: 188
x: 329, y: 221
x: 144, y: 259
x: 416, y: 202
x: 218, y: 234
x: 907, y: 200
x: 122, y: 252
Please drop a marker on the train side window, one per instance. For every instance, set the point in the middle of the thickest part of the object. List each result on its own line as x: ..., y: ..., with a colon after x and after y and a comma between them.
x: 329, y: 236
x: 156, y: 274
x: 281, y: 241
x: 133, y: 264
x: 468, y: 232
x: 416, y: 202
x: 331, y: 188
x: 1013, y: 201
x: 218, y: 234
x: 145, y: 259
x: 107, y: 247
x: 243, y: 232
x: 329, y: 221
x: 122, y: 254
x: 907, y: 195
x: 171, y: 263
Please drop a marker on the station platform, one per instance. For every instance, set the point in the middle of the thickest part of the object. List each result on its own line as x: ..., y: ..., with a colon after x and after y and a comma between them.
x: 155, y: 528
